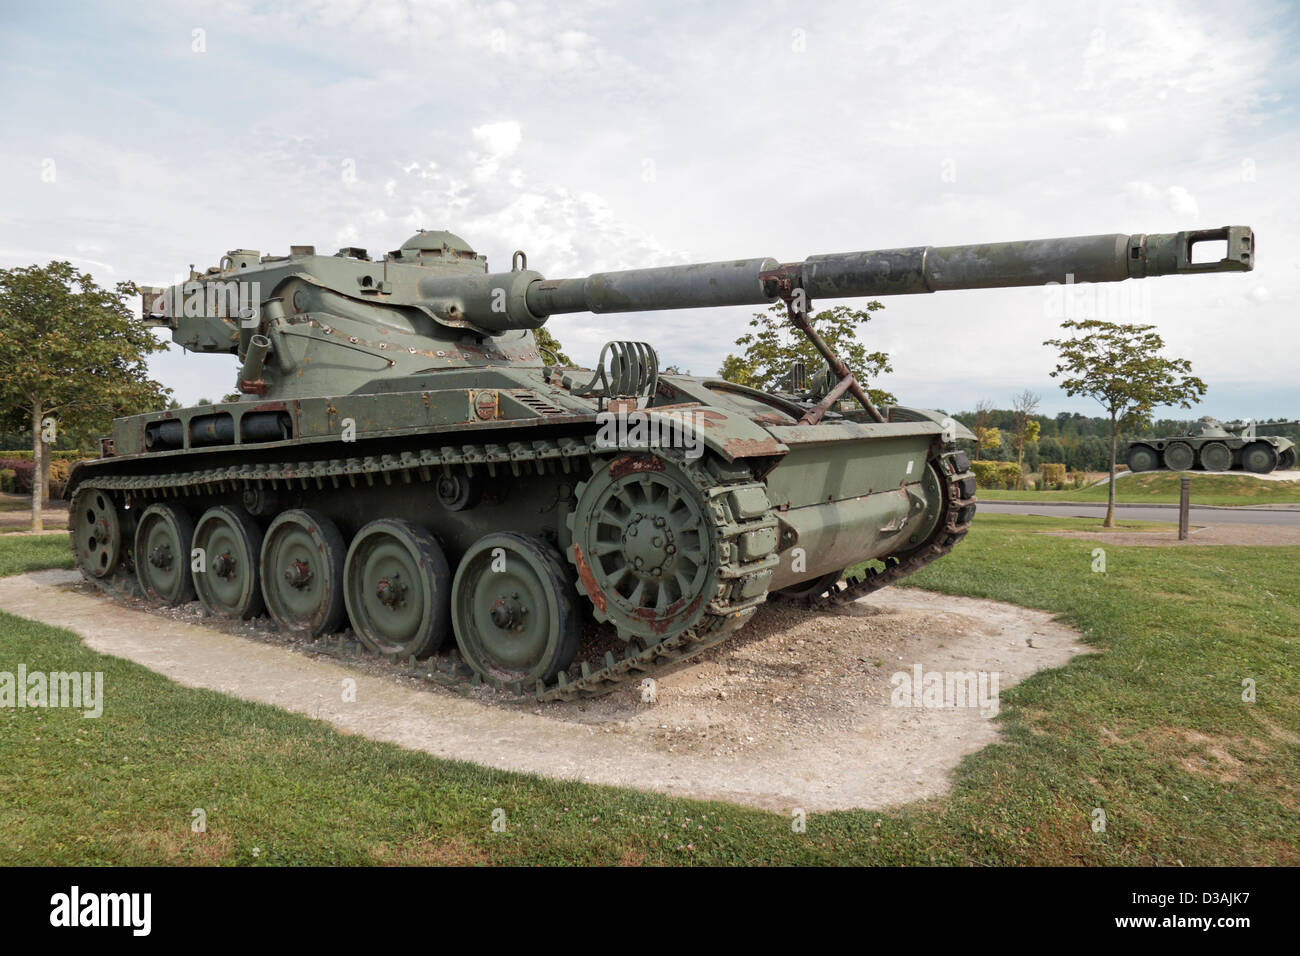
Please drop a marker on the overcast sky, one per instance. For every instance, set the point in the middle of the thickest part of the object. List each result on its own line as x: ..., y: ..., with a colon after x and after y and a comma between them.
x: 142, y: 137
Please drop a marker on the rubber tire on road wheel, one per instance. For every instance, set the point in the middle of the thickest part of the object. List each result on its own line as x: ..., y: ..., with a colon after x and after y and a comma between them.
x: 308, y: 538
x: 1259, y: 457
x: 225, y: 530
x: 1216, y: 456
x: 1179, y: 456
x: 515, y: 609
x: 398, y: 589
x: 1143, y: 458
x: 171, y: 527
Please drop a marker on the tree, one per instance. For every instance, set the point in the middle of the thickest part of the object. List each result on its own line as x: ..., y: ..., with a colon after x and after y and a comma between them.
x: 987, y: 439
x: 70, y: 347
x: 1120, y: 366
x: 739, y: 369
x: 774, y: 345
x: 545, y: 340
x: 986, y: 436
x: 1026, y: 427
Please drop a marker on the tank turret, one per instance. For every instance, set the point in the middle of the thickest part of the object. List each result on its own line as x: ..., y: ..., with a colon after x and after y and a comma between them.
x: 335, y: 323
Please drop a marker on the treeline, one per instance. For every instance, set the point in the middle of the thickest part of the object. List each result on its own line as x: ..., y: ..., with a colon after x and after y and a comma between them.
x: 1082, y: 442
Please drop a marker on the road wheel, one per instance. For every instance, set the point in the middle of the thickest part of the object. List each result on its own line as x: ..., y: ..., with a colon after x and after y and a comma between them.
x: 1216, y: 457
x: 1143, y: 458
x: 1287, y: 460
x: 1259, y: 457
x: 226, y: 578
x: 96, y: 532
x: 163, y: 539
x: 1179, y: 456
x: 302, y: 572
x: 515, y: 610
x: 398, y: 589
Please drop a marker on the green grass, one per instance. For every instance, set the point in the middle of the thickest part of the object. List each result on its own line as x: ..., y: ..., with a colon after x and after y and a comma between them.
x: 1153, y: 730
x: 33, y: 552
x: 1162, y: 487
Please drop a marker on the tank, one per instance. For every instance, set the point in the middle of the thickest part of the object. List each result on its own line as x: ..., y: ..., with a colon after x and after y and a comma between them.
x: 407, y: 469
x: 1210, y: 445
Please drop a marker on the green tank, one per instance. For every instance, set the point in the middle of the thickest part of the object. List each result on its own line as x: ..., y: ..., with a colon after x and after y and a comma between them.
x: 1213, y: 446
x: 407, y: 462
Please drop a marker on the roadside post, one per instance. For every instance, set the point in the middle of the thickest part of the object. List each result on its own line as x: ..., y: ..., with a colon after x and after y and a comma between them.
x: 1184, y: 502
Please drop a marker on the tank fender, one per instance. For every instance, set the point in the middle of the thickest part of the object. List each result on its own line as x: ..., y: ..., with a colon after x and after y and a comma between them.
x: 902, y: 413
x: 731, y: 435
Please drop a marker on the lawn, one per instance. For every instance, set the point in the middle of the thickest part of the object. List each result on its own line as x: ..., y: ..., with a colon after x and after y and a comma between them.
x: 1162, y: 487
x: 19, y: 553
x: 1153, y: 731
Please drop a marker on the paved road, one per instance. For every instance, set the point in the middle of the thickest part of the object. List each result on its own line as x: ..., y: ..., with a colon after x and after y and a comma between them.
x: 1200, y: 516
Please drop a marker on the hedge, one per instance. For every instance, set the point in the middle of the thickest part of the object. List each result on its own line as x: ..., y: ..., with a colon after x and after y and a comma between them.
x: 996, y: 474
x: 16, y: 475
x: 26, y: 455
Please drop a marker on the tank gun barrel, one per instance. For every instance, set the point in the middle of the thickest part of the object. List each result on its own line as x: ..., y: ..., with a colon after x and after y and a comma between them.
x: 908, y: 271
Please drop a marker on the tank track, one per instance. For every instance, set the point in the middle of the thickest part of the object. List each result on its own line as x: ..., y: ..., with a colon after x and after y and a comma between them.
x: 959, y: 511
x: 730, y: 608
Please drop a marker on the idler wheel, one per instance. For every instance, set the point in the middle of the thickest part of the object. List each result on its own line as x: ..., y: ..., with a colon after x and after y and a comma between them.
x: 398, y: 589
x: 96, y: 532
x: 226, y: 577
x: 302, y: 572
x: 163, y: 539
x: 515, y: 609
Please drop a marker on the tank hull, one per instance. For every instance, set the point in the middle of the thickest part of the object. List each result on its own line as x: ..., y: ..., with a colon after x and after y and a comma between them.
x: 778, y: 504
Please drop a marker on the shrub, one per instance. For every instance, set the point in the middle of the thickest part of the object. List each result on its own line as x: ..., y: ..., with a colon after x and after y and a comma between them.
x: 60, y: 469
x: 22, y: 482
x: 8, y: 481
x: 986, y: 473
x: 1009, y: 474
x: 1053, y: 474
x: 25, y: 454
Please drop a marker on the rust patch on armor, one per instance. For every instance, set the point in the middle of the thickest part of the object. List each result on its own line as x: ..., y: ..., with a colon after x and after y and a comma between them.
x: 633, y: 463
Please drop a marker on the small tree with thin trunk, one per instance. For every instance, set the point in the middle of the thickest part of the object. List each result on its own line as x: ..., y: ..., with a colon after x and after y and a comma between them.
x: 983, y: 428
x: 70, y: 347
x: 1023, y: 408
x: 1120, y: 366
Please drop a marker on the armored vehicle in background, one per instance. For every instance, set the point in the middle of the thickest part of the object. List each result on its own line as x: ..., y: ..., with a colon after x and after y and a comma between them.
x: 1213, y: 446
x: 406, y: 460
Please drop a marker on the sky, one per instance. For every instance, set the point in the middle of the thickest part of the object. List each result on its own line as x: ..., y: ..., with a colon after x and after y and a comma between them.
x: 140, y: 138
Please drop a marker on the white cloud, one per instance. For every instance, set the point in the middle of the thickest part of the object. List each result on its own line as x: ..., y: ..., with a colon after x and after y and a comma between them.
x: 526, y: 125
x: 1182, y: 203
